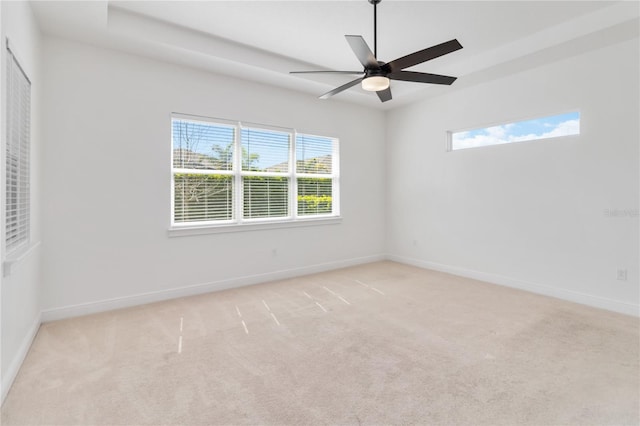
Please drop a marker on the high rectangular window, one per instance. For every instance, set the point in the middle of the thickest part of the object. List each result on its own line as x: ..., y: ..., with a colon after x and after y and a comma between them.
x: 233, y: 173
x: 17, y: 191
x: 520, y: 131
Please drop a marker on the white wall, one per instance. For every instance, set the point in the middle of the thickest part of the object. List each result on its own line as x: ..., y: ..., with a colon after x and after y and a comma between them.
x: 530, y: 215
x: 20, y: 312
x: 107, y: 186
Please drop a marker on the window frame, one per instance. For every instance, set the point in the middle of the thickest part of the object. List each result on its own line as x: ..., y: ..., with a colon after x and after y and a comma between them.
x: 238, y: 222
x: 22, y: 207
x: 240, y: 219
x: 202, y: 120
x: 334, y: 176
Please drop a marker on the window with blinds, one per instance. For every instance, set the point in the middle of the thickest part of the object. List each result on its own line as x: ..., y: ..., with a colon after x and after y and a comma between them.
x: 315, y: 174
x: 232, y: 173
x: 265, y: 173
x: 17, y: 192
x: 203, y: 183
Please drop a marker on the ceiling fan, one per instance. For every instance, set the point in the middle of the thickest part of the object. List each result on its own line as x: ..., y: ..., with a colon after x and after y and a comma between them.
x: 377, y: 74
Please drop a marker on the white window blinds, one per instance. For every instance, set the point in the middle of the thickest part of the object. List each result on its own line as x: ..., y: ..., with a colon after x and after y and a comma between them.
x: 17, y: 193
x: 203, y: 183
x: 314, y: 154
x: 265, y: 172
x: 265, y: 150
x: 232, y: 173
x: 315, y: 174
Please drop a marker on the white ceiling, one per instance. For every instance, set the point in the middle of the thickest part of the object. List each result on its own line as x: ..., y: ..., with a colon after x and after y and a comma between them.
x: 264, y: 40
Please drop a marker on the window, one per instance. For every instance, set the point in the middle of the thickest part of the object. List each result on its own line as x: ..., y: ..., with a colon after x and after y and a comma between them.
x: 17, y: 193
x: 520, y: 131
x: 315, y: 168
x: 232, y: 173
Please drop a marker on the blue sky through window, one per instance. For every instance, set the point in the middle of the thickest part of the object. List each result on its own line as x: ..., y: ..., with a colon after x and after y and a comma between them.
x: 201, y: 137
x: 520, y: 131
x: 263, y: 149
x: 308, y: 146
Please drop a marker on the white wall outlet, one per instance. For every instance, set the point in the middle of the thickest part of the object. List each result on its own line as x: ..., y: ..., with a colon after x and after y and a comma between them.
x: 622, y: 275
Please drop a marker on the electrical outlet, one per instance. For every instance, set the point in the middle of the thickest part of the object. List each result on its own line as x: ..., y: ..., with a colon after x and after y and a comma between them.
x: 622, y: 274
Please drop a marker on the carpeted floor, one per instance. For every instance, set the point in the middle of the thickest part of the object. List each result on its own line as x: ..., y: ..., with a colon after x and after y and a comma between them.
x: 382, y: 343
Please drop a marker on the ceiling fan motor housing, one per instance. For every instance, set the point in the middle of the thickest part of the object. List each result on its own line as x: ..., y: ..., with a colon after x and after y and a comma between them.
x: 375, y: 72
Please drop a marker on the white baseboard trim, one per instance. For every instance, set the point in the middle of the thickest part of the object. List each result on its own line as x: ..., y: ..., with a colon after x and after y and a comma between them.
x: 12, y: 372
x: 559, y: 293
x: 194, y: 289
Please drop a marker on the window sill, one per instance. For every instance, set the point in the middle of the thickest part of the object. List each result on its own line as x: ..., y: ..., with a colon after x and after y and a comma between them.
x: 15, y: 258
x: 184, y: 231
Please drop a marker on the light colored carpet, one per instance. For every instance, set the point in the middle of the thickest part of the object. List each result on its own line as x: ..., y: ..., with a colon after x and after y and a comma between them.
x: 382, y: 343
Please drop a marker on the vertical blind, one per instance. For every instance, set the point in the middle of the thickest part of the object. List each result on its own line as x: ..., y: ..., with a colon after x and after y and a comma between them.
x: 17, y: 193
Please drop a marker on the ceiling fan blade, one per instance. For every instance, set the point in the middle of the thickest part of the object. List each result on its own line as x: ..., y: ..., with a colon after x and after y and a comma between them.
x: 422, y: 77
x: 326, y: 72
x: 341, y: 88
x: 362, y: 51
x: 423, y: 56
x: 384, y: 95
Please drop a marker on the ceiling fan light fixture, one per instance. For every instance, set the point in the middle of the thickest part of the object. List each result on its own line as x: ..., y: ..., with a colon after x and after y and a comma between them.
x: 375, y: 83
x: 378, y: 73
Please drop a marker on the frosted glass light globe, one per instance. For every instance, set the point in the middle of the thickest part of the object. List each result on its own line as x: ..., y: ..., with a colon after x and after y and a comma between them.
x: 375, y: 83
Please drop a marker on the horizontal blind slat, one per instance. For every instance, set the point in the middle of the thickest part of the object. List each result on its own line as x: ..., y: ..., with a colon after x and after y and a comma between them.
x: 265, y: 196
x: 314, y: 154
x: 199, y: 145
x: 202, y: 197
x: 265, y: 150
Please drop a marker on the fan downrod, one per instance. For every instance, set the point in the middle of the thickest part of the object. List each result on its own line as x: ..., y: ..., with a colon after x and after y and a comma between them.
x: 375, y: 26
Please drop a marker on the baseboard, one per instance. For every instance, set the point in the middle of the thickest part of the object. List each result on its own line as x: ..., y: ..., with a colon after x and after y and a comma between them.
x: 194, y: 289
x: 559, y: 293
x: 16, y: 363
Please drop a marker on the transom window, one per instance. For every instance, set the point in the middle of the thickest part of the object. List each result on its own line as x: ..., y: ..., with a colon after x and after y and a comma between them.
x: 553, y: 126
x: 234, y: 173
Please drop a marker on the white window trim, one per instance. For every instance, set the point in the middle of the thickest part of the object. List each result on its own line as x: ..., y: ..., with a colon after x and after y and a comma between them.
x: 247, y: 226
x: 16, y: 258
x: 241, y: 224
